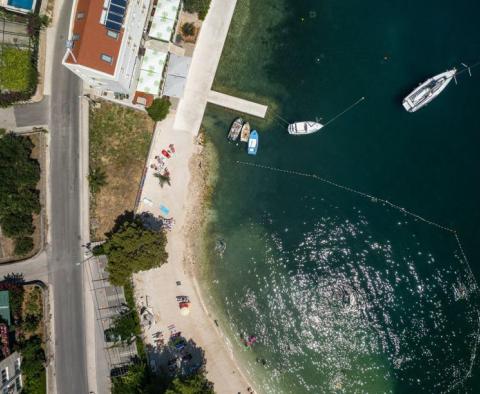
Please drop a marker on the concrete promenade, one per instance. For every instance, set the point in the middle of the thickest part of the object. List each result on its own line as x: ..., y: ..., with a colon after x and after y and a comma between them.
x: 237, y: 104
x: 204, y: 65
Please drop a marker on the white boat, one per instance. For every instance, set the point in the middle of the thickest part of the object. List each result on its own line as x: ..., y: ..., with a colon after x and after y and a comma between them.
x: 428, y: 90
x: 303, y: 128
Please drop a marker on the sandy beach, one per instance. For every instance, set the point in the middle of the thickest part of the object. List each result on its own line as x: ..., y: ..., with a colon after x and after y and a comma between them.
x: 158, y: 288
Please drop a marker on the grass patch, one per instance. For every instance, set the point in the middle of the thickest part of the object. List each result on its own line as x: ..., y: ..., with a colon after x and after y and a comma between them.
x: 119, y: 142
x: 17, y: 71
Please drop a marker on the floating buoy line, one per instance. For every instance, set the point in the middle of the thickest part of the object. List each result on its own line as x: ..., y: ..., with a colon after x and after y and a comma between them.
x: 375, y: 199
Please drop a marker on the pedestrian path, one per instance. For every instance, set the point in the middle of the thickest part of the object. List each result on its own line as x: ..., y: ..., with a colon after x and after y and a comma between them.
x: 237, y: 104
x: 204, y: 65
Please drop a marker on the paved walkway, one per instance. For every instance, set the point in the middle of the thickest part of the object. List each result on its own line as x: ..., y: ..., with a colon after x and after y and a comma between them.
x: 237, y: 104
x: 204, y: 65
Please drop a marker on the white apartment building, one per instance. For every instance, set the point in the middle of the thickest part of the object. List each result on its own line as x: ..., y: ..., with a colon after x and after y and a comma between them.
x: 104, y: 41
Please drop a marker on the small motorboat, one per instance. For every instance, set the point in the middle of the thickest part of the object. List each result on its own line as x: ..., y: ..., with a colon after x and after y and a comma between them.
x: 303, y: 128
x: 245, y: 133
x: 253, y: 143
x: 235, y: 129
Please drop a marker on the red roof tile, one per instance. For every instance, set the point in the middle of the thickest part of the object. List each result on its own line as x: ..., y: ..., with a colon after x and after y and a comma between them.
x: 93, y: 40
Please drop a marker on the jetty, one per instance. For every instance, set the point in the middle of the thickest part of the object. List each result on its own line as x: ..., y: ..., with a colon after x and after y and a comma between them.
x: 237, y: 104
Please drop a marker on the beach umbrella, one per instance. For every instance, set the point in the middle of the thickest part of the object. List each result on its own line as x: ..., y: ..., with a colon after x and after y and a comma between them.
x: 184, y: 310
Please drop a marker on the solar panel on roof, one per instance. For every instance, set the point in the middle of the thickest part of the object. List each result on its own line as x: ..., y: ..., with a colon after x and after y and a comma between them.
x: 121, y: 3
x: 115, y: 15
x: 113, y: 26
x: 117, y: 10
x: 114, y: 18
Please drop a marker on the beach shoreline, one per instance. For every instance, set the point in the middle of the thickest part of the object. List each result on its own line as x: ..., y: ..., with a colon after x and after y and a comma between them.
x: 158, y: 288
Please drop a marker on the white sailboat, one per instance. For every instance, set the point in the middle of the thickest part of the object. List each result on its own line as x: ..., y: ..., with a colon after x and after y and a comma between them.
x: 303, y: 128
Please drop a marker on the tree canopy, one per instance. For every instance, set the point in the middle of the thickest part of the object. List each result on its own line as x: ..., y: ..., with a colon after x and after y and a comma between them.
x: 132, y: 248
x: 159, y: 109
x: 33, y: 358
x: 195, y: 384
x: 19, y: 198
x: 199, y: 6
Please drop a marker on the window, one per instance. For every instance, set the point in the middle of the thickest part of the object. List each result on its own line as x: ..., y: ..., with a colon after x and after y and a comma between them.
x: 18, y: 383
x: 107, y: 58
x: 75, y: 37
x: 112, y: 34
x: 80, y: 15
x: 4, y: 375
x: 17, y: 365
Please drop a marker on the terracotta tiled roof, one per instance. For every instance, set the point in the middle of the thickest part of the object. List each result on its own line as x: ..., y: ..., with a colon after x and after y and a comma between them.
x: 145, y: 99
x: 93, y: 41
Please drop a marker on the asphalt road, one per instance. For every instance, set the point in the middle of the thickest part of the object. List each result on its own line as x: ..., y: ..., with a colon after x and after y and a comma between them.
x: 32, y: 114
x: 65, y: 252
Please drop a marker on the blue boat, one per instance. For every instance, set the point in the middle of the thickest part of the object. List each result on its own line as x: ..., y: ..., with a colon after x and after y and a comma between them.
x: 253, y: 143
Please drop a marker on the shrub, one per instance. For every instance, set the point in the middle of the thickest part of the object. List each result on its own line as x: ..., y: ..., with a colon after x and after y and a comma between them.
x: 97, y: 179
x: 23, y: 245
x: 199, y: 6
x: 30, y: 323
x: 159, y: 109
x: 188, y: 29
x: 36, y: 22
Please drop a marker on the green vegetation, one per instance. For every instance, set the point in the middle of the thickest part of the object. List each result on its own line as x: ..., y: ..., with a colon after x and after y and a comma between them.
x: 35, y: 23
x: 97, y: 179
x: 159, y: 109
x: 126, y: 325
x: 195, y: 384
x: 188, y: 29
x: 19, y: 198
x: 33, y: 313
x: 33, y: 370
x: 23, y: 245
x: 199, y: 6
x: 132, y: 248
x: 119, y: 142
x: 17, y: 71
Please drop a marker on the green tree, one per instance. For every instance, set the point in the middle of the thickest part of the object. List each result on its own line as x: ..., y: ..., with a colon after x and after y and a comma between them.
x: 19, y: 198
x: 33, y: 359
x: 23, y: 245
x: 97, y: 179
x: 188, y: 29
x: 159, y: 109
x: 133, y: 382
x: 126, y: 325
x: 195, y: 384
x: 199, y: 6
x: 132, y: 248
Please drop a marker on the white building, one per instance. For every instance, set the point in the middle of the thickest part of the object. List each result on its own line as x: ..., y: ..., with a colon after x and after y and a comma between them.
x: 104, y: 41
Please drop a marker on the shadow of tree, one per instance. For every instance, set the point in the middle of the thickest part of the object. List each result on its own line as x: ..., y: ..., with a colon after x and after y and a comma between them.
x: 125, y: 217
x: 178, y: 357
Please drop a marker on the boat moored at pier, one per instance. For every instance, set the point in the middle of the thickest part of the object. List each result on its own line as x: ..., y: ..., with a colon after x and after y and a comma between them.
x: 303, y: 128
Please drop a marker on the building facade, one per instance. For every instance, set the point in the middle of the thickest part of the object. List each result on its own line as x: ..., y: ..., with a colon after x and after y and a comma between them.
x: 11, y: 374
x: 104, y: 41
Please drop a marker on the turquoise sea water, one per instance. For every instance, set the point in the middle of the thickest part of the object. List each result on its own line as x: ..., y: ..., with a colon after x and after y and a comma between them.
x: 346, y: 293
